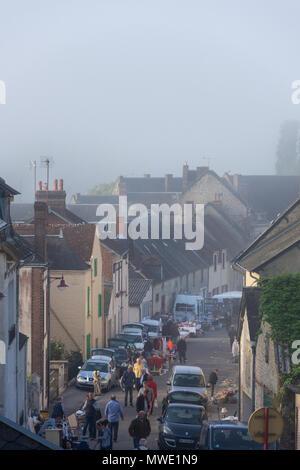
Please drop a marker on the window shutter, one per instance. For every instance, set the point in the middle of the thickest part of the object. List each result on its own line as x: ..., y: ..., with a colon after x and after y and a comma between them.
x: 99, y: 305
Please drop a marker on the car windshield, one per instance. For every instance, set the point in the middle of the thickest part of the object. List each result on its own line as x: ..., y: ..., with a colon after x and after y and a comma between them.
x: 188, y: 380
x: 185, y: 397
x: 234, y: 439
x: 184, y: 415
x: 91, y: 366
x: 132, y: 338
x: 152, y: 328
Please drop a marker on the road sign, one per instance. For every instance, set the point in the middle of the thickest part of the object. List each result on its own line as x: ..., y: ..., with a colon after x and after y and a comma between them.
x: 265, y: 426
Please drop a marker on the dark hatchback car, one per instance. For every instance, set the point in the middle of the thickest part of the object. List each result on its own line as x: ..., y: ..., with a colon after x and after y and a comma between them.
x: 184, y: 396
x: 228, y: 435
x: 180, y: 426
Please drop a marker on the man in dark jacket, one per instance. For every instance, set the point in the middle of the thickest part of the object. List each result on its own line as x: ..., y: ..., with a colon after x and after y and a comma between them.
x: 139, y: 428
x: 128, y: 380
x: 181, y: 347
x: 90, y: 407
x: 58, y: 409
x: 213, y: 378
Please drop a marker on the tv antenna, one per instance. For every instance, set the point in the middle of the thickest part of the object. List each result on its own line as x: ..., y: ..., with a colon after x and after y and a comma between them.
x: 45, y: 162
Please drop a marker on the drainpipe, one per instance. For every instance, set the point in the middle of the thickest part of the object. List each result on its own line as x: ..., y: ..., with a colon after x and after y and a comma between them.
x: 253, y: 347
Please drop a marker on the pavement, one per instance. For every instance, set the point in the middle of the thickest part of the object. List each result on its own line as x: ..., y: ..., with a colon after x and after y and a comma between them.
x: 210, y: 351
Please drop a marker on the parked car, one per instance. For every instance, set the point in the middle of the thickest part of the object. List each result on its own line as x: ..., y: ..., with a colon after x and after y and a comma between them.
x: 121, y: 356
x: 180, y: 426
x: 184, y: 396
x: 105, y: 366
x: 153, y: 328
x: 133, y: 339
x: 185, y: 378
x: 232, y: 435
x: 136, y: 326
x: 115, y: 343
x: 109, y: 352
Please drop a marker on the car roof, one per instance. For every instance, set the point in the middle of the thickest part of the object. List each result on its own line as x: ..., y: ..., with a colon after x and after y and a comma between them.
x: 227, y: 424
x: 184, y: 405
x: 103, y: 349
x: 188, y: 370
x: 99, y: 359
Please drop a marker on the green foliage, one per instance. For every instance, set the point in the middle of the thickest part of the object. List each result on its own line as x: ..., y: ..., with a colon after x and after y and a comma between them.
x: 57, y: 351
x: 280, y: 307
x: 104, y: 189
x: 75, y: 359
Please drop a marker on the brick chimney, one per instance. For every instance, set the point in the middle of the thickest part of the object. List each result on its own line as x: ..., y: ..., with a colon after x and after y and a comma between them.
x: 40, y: 228
x: 168, y: 182
x: 56, y: 199
x: 185, y: 176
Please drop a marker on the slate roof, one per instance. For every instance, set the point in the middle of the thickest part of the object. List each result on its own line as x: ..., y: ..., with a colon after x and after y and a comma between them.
x: 23, y: 212
x: 250, y: 305
x: 15, y: 437
x: 62, y: 257
x: 138, y: 288
x: 8, y: 190
x: 270, y: 194
x: 151, y: 185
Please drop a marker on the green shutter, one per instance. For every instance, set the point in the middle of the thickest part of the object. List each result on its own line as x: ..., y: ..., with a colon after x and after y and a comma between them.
x: 88, y: 301
x: 88, y: 346
x: 95, y: 267
x: 99, y: 305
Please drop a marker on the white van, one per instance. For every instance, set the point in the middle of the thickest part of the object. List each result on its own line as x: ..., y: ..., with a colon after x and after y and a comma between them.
x: 188, y: 308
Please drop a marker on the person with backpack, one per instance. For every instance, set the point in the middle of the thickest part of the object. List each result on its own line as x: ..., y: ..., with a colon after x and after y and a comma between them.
x: 58, y: 409
x: 92, y: 413
x: 104, y: 435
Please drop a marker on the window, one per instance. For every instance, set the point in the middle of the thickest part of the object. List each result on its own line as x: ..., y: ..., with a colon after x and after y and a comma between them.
x: 88, y: 301
x: 88, y: 346
x: 223, y: 259
x: 95, y: 267
x: 99, y: 305
x: 215, y: 261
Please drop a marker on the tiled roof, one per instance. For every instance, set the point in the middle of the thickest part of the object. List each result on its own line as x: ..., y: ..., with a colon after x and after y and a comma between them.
x: 81, y: 239
x: 270, y: 194
x: 138, y: 288
x: 15, y: 437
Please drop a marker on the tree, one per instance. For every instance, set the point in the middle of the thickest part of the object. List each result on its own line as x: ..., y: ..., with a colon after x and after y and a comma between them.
x: 104, y: 189
x: 288, y: 162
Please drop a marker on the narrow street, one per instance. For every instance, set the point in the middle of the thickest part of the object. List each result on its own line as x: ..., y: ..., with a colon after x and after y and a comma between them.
x: 208, y: 352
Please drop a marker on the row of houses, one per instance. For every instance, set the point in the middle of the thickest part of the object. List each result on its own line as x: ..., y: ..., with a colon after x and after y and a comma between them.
x: 263, y: 361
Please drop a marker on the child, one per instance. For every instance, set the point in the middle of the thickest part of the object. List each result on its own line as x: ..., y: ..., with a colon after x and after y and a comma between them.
x: 104, y: 436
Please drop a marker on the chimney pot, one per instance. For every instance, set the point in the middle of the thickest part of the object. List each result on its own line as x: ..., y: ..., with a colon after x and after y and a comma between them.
x: 55, y: 185
x: 61, y: 185
x: 40, y: 186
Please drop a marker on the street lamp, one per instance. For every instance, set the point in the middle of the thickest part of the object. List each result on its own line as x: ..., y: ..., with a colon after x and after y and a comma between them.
x: 62, y: 283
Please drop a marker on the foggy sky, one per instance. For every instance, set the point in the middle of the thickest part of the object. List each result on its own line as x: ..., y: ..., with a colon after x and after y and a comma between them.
x: 127, y: 87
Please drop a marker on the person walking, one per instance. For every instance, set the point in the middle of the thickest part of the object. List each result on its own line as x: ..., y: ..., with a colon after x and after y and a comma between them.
x: 137, y: 369
x: 148, y: 348
x: 143, y: 378
x: 139, y: 428
x: 181, y: 347
x: 232, y: 335
x: 128, y: 381
x: 153, y: 385
x: 141, y: 401
x: 149, y: 396
x: 213, y: 378
x: 113, y: 411
x: 90, y: 407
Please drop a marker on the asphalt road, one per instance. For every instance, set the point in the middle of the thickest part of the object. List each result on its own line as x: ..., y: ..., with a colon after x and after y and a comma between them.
x: 210, y: 351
